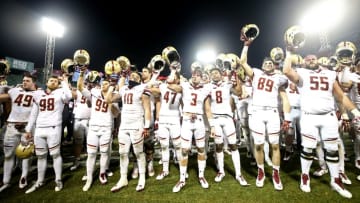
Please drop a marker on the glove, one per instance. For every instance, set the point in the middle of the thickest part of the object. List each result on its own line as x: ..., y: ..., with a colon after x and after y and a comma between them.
x: 285, y: 125
x: 146, y: 132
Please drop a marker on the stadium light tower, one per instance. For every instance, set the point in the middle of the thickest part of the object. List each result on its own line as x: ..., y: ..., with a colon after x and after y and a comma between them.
x: 52, y: 29
x: 321, y: 18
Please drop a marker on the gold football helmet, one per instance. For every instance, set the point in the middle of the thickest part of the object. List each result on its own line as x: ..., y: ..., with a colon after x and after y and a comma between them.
x: 294, y: 37
x: 4, y: 67
x: 345, y: 52
x: 67, y: 65
x: 219, y: 61
x: 231, y: 61
x: 277, y: 54
x: 112, y: 67
x: 250, y: 31
x: 81, y: 57
x: 157, y: 63
x: 93, y: 77
x: 170, y: 55
x: 24, y: 151
x: 323, y: 61
x: 124, y: 62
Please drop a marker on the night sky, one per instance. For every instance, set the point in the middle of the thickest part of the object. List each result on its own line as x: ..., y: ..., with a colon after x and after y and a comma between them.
x: 140, y: 30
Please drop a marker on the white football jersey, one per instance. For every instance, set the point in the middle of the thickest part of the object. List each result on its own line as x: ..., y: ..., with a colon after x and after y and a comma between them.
x: 21, y: 104
x: 170, y: 101
x: 132, y: 106
x: 355, y: 94
x: 101, y: 114
x: 266, y: 88
x: 81, y: 108
x: 316, y: 90
x: 48, y: 107
x: 194, y: 97
x: 220, y: 98
x: 293, y: 95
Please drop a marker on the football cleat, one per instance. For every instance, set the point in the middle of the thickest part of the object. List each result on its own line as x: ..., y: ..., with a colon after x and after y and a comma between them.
x: 345, y: 179
x: 59, y: 185
x: 320, y: 172
x: 203, y: 182
x: 103, y: 178
x: 357, y: 163
x: 141, y: 185
x: 242, y: 180
x: 75, y: 165
x: 87, y: 185
x: 276, y: 180
x: 22, y: 183
x: 33, y: 188
x: 219, y: 177
x: 179, y: 185
x: 162, y: 175
x: 84, y: 178
x: 3, y: 187
x: 305, y: 183
x: 260, y: 178
x: 123, y: 182
x: 109, y: 173
x: 337, y: 185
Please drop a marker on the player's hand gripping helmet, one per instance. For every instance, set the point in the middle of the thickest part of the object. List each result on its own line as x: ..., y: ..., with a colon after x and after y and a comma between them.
x: 294, y: 37
x: 296, y: 60
x: 345, y: 52
x: 250, y: 32
x: 24, y: 151
x: 277, y: 54
x: 112, y: 67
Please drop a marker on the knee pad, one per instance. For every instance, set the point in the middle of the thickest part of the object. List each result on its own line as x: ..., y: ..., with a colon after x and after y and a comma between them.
x: 219, y: 147
x: 307, y: 153
x: 331, y: 156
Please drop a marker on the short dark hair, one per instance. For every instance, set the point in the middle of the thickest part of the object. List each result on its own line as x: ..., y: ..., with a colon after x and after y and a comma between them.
x: 29, y: 75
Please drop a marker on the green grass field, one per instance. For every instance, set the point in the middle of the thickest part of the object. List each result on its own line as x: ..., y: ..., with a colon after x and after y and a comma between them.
x: 161, y: 191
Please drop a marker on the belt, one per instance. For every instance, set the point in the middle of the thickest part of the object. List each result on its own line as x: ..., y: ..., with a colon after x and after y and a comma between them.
x: 320, y: 114
x: 16, y: 123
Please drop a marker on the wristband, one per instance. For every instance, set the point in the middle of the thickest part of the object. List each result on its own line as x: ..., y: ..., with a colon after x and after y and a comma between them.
x: 287, y: 116
x: 147, y: 124
x: 344, y: 116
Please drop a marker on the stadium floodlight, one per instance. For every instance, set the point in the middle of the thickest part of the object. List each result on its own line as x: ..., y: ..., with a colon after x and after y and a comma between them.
x: 206, y: 55
x: 52, y: 29
x: 321, y: 18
